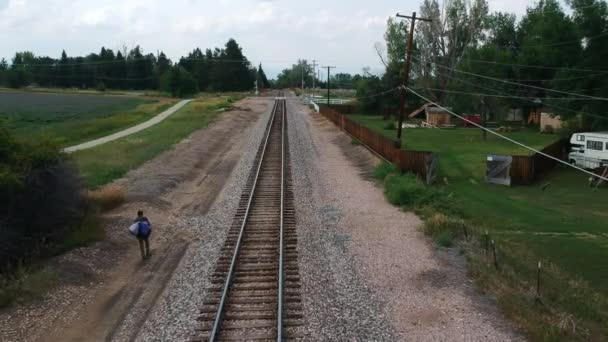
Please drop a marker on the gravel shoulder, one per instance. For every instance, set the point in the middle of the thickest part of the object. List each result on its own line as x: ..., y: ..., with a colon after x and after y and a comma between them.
x: 367, y: 272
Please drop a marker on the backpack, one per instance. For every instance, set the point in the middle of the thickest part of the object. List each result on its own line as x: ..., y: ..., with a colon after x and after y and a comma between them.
x: 144, y: 229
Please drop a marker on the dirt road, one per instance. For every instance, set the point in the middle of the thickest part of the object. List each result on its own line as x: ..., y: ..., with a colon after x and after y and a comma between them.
x: 107, y: 284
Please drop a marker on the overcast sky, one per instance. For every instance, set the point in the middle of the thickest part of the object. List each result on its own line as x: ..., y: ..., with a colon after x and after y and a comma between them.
x: 276, y: 33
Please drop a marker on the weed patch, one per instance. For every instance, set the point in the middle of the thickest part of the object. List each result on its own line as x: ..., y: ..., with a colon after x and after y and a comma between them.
x: 25, y: 284
x: 382, y: 170
x: 107, y: 197
x: 445, y: 239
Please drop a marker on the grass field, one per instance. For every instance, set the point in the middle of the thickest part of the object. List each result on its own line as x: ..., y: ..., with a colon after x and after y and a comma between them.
x: 560, y: 220
x: 102, y: 164
x: 69, y: 119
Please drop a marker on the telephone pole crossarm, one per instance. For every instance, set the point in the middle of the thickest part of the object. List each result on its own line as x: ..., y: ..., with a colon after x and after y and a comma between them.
x: 413, y: 17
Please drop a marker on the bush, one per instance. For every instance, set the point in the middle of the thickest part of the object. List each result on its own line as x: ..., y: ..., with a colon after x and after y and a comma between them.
x: 383, y: 169
x: 445, y: 239
x: 108, y: 197
x: 40, y: 199
x: 100, y: 86
x: 408, y: 190
x: 390, y: 126
x: 405, y: 189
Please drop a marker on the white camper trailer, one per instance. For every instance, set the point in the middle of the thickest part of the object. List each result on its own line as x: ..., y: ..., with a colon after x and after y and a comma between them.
x: 589, y: 150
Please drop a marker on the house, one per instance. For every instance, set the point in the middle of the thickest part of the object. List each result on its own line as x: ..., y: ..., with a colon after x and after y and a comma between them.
x: 514, y: 116
x: 434, y: 116
x: 549, y: 122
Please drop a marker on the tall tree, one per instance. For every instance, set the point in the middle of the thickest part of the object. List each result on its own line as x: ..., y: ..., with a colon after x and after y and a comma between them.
x: 456, y: 26
x: 263, y: 80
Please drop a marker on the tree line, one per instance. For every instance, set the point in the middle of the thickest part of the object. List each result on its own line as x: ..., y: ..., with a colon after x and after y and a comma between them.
x: 538, y: 60
x: 220, y: 69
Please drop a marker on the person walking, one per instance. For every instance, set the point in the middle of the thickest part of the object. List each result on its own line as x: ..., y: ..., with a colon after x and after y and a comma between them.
x: 143, y: 233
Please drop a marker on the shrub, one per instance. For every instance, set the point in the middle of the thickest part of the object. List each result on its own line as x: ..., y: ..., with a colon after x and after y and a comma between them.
x: 408, y: 190
x: 390, y: 126
x: 383, y: 169
x: 405, y: 189
x: 445, y: 239
x: 355, y: 142
x: 40, y: 198
x: 108, y: 197
x: 100, y: 86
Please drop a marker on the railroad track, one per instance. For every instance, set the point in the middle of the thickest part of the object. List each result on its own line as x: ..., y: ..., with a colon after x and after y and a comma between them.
x: 255, y: 291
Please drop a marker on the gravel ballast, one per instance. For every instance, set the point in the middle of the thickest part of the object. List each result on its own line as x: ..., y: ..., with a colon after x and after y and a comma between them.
x: 339, y: 304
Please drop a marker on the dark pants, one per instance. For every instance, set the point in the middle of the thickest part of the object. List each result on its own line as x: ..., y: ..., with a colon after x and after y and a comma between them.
x: 142, y: 241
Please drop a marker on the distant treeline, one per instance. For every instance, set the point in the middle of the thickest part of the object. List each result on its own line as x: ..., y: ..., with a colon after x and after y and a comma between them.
x: 220, y: 69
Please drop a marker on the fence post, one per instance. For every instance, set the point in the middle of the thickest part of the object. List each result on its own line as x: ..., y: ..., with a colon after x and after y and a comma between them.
x: 486, y: 242
x: 494, y: 253
x: 537, y: 299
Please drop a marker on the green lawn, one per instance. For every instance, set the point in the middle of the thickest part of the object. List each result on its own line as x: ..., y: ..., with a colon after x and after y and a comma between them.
x: 69, y: 119
x: 565, y: 223
x: 462, y: 151
x: 102, y: 164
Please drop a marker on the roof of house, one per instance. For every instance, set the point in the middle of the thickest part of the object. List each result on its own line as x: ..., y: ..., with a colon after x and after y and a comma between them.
x: 418, y: 111
x: 428, y: 108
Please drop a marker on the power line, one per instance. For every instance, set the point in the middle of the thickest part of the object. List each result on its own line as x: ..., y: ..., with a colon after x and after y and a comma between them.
x: 531, y: 101
x: 531, y: 66
x: 507, y: 138
x: 379, y: 94
x: 569, y: 42
x: 503, y: 96
x: 519, y: 84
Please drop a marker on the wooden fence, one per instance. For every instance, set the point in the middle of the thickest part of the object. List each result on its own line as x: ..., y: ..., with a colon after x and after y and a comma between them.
x: 420, y: 163
x: 525, y: 170
x: 341, y: 108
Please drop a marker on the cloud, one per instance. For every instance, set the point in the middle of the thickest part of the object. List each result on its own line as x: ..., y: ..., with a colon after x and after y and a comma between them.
x: 276, y: 33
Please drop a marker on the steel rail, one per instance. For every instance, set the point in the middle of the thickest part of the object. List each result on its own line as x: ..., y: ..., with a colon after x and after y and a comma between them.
x: 281, y: 280
x: 220, y: 311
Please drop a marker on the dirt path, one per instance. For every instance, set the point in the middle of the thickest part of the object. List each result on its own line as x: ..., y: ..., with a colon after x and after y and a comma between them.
x: 119, y: 286
x: 131, y: 130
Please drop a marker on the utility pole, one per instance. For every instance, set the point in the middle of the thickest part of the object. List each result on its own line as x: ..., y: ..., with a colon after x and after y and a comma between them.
x: 314, y: 74
x: 328, y: 74
x: 484, y: 134
x: 302, y: 69
x: 406, y: 72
